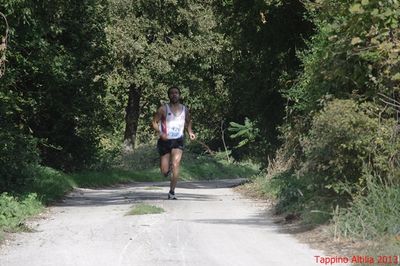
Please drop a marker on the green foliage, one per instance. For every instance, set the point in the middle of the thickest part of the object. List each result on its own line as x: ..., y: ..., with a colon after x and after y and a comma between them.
x: 248, y: 132
x: 290, y: 191
x: 145, y: 157
x: 214, y: 167
x: 156, y: 45
x: 290, y: 195
x: 265, y: 36
x: 54, y: 55
x: 143, y: 165
x: 18, y: 153
x: 109, y: 152
x: 345, y: 137
x: 112, y: 176
x: 355, y: 50
x: 348, y: 57
x: 316, y: 171
x: 370, y: 216
x: 263, y: 185
x: 49, y: 184
x: 326, y: 154
x: 13, y: 210
x: 18, y: 157
x: 338, y: 144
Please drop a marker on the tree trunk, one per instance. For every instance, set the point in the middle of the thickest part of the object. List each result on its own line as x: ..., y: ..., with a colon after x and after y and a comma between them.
x: 132, y: 112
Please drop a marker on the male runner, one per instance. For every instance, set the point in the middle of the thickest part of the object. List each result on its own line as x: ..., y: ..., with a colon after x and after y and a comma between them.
x: 169, y: 122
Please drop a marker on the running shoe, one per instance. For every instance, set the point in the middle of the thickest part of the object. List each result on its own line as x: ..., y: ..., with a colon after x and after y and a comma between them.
x: 171, y: 195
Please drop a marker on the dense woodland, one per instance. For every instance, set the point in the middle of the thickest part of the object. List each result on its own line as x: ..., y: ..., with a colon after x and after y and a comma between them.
x: 312, y: 85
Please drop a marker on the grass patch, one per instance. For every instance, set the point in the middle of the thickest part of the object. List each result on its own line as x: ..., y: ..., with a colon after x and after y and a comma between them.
x: 50, y: 184
x: 153, y: 188
x: 208, y: 168
x: 143, y: 166
x: 115, y: 176
x: 290, y: 197
x: 143, y: 208
x: 46, y: 185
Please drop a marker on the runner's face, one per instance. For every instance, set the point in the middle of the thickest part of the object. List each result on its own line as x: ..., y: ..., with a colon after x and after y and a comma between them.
x: 174, y: 96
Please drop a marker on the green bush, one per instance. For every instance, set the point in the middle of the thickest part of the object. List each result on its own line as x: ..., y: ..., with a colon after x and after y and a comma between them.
x: 337, y: 144
x: 13, y: 211
x: 346, y: 138
x: 291, y: 191
x: 354, y: 50
x: 353, y: 55
x: 343, y: 138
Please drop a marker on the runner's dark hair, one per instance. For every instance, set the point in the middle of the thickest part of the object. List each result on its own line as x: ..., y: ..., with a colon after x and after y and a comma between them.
x: 174, y: 87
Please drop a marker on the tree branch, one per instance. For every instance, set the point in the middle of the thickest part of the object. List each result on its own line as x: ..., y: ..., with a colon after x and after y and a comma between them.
x: 3, y: 48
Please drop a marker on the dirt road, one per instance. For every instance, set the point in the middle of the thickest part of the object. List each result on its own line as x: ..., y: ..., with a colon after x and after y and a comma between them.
x: 208, y: 225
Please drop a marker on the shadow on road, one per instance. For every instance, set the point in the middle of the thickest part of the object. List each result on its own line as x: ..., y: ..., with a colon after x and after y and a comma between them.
x: 142, y: 191
x: 259, y: 220
x: 265, y: 219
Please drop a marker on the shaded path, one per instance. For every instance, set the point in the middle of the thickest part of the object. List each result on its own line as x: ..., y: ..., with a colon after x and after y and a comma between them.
x: 208, y: 225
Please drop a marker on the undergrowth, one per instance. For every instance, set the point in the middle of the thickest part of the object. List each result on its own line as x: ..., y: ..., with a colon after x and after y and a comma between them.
x: 14, y: 210
x: 370, y: 216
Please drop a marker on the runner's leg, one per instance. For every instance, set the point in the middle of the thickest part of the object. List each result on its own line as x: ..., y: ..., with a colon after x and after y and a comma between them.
x: 164, y: 163
x: 176, y: 156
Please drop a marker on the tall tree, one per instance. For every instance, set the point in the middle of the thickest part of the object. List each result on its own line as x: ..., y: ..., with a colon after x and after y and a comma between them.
x: 55, y: 54
x: 158, y: 44
x: 266, y: 35
x: 355, y: 52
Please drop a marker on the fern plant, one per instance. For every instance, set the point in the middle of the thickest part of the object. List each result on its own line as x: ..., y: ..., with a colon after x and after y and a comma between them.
x: 248, y: 132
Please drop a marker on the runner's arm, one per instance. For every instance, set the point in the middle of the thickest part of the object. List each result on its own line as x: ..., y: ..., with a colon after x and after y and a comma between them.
x: 156, y: 120
x: 188, y: 125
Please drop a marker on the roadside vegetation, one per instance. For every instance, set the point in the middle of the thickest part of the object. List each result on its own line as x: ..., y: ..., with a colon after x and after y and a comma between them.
x: 339, y: 161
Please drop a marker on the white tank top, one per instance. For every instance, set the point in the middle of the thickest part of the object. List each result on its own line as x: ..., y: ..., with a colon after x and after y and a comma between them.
x: 173, y: 125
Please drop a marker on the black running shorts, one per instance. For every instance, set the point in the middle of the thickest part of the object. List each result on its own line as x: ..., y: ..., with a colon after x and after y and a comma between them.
x: 165, y: 146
